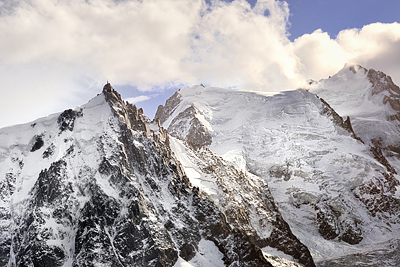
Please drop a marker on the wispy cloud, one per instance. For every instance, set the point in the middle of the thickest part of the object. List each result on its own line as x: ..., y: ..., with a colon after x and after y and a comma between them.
x: 55, y: 51
x: 137, y: 99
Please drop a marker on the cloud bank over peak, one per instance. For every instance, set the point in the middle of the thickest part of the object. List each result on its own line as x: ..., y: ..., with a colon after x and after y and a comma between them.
x: 373, y: 46
x: 56, y: 51
x: 239, y: 46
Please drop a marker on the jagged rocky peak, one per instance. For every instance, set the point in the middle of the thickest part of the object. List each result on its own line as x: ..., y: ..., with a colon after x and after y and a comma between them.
x: 127, y: 113
x: 384, y: 83
x: 185, y: 122
x: 381, y: 83
x: 133, y: 117
x: 108, y: 88
x: 163, y: 112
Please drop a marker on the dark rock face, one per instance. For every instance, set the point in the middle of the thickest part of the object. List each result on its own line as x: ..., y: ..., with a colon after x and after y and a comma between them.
x: 185, y: 125
x: 233, y: 243
x: 249, y: 214
x: 284, y: 240
x: 48, y: 186
x: 384, y: 85
x: 38, y: 143
x: 381, y: 82
x: 7, y: 188
x: 188, y: 127
x: 66, y: 120
x: 49, y: 151
x: 351, y: 233
x: 378, y: 155
x: 338, y: 120
x: 163, y: 112
x: 377, y: 193
x: 29, y: 241
x: 327, y: 221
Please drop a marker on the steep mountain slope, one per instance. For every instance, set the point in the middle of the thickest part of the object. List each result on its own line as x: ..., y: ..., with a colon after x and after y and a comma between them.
x: 372, y: 101
x: 245, y: 200
x: 99, y: 185
x: 338, y: 195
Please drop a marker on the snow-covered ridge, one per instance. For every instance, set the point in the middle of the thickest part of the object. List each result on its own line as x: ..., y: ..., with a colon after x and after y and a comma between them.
x: 323, y: 178
x: 372, y: 101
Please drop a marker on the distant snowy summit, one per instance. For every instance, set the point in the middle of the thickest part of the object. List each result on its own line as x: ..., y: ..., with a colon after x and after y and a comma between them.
x: 372, y: 101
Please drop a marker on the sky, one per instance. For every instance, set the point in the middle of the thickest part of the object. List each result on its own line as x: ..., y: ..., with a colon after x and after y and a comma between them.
x: 56, y: 55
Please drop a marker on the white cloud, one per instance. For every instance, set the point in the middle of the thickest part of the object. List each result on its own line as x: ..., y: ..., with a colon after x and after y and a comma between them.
x: 137, y: 99
x: 374, y: 46
x: 318, y: 55
x: 239, y: 46
x: 153, y: 42
x: 59, y: 53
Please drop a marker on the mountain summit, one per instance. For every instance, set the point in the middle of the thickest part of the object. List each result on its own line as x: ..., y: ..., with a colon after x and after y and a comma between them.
x: 371, y: 99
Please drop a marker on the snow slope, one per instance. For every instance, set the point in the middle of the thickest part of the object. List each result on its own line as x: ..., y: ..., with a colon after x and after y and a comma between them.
x: 371, y: 100
x: 28, y: 151
x: 319, y: 174
x: 245, y: 200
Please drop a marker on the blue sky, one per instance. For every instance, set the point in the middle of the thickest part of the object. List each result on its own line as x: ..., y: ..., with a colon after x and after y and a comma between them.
x: 56, y: 55
x: 332, y: 16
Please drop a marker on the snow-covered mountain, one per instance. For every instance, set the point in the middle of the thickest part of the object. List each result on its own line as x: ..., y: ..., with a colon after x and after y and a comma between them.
x: 372, y: 101
x: 219, y: 178
x: 329, y: 179
x: 102, y: 185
